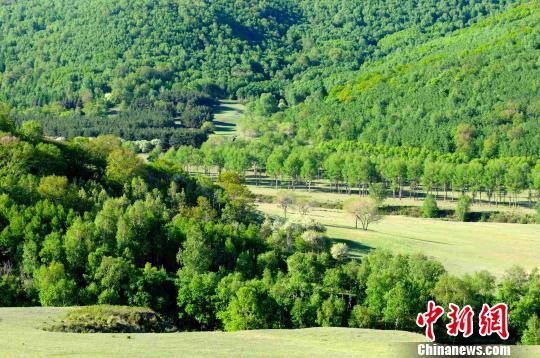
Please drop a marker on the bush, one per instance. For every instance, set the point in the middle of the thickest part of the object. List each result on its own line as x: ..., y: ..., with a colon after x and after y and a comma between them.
x: 512, y: 217
x: 538, y: 213
x: 111, y: 319
x: 430, y: 208
x: 463, y: 207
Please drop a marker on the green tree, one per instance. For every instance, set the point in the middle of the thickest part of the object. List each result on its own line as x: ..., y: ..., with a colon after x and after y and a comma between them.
x: 122, y: 166
x: 377, y: 192
x: 250, y: 308
x: 463, y: 207
x: 54, y: 287
x: 195, y: 297
x: 54, y: 188
x: 266, y: 105
x: 32, y: 131
x: 531, y: 335
x: 332, y: 311
x: 429, y: 207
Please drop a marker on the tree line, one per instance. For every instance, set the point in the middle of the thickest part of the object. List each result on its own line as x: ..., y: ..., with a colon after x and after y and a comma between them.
x: 499, y: 180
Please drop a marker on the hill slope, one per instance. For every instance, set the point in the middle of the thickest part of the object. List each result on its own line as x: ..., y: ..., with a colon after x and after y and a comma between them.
x: 23, y: 337
x: 73, y: 52
x: 473, y: 90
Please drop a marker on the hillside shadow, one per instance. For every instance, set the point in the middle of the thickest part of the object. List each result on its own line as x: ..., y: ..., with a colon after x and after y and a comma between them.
x: 224, y: 108
x: 224, y: 126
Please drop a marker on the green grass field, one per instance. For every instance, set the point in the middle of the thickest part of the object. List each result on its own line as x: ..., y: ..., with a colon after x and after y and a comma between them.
x: 461, y: 247
x: 22, y: 337
x: 226, y: 116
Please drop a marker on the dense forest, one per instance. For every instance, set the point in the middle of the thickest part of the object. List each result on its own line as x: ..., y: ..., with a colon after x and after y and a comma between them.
x: 86, y: 222
x: 473, y: 92
x: 75, y: 54
x: 172, y: 118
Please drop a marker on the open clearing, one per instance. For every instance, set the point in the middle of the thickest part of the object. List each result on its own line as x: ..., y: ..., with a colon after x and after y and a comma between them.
x: 225, y: 117
x: 22, y: 336
x: 461, y: 247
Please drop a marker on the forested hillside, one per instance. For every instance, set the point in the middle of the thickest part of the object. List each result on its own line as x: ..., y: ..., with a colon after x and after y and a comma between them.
x: 473, y: 91
x: 72, y: 54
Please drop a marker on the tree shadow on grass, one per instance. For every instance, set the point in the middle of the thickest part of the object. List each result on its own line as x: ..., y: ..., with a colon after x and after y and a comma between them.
x: 342, y: 227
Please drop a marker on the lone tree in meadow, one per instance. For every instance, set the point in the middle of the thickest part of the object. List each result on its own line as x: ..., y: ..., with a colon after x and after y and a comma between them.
x: 364, y: 210
x: 285, y: 200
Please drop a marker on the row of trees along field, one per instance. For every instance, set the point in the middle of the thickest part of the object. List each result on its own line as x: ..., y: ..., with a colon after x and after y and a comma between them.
x: 351, y: 166
x: 86, y: 221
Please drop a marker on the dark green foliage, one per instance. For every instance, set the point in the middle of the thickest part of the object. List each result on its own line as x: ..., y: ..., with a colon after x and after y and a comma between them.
x: 174, y: 118
x: 429, y: 207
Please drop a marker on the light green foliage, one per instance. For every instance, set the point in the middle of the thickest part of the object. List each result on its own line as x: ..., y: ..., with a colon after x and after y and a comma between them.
x: 79, y: 241
x: 532, y: 334
x: 54, y: 287
x: 248, y: 309
x: 122, y: 166
x: 31, y: 131
x: 463, y: 207
x: 429, y: 207
x: 377, y: 192
x: 266, y: 105
x: 53, y: 187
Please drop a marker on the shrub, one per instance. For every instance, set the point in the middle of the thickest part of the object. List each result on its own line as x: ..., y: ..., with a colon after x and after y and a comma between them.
x: 110, y: 319
x: 430, y: 208
x: 463, y: 207
x: 512, y: 217
x: 538, y: 213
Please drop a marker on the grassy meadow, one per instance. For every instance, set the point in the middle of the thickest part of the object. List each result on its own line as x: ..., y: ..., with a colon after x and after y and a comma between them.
x: 22, y: 336
x: 225, y: 117
x: 463, y: 247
